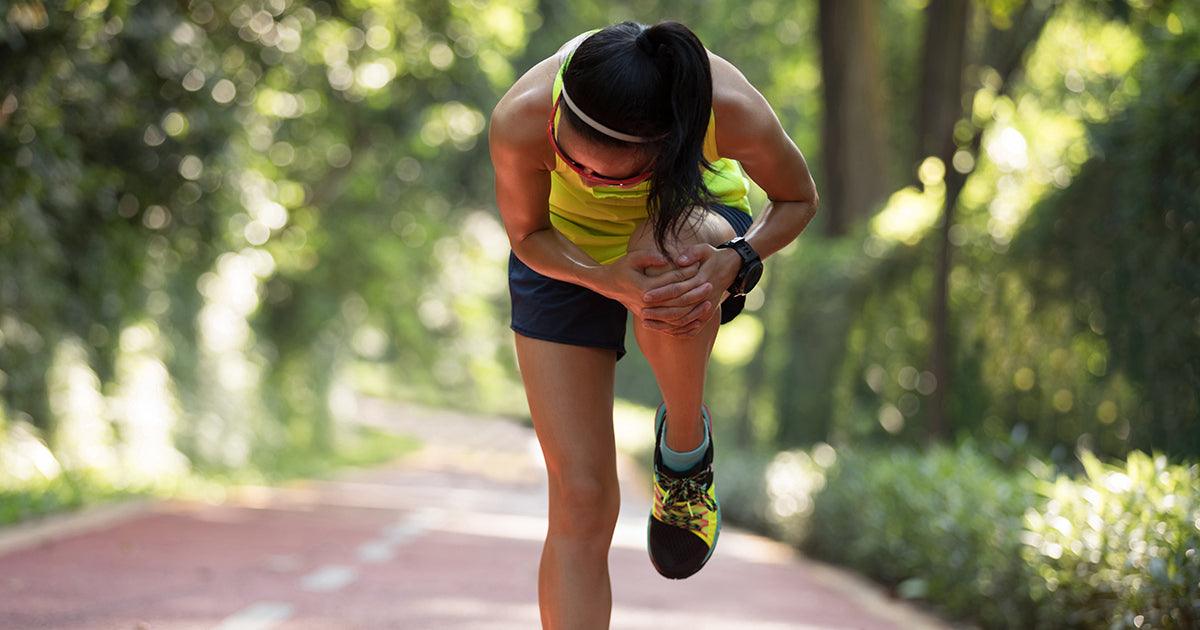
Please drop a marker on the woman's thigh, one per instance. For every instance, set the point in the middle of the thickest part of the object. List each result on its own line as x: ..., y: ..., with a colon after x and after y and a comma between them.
x: 703, y: 226
x: 570, y: 393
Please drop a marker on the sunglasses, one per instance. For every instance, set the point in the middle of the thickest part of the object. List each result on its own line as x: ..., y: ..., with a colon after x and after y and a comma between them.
x: 584, y: 171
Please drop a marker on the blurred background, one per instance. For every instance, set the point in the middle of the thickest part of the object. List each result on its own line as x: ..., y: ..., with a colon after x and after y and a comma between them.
x: 222, y: 222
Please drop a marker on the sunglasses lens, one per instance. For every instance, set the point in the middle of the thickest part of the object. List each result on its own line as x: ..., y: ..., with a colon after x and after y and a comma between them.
x: 583, y: 171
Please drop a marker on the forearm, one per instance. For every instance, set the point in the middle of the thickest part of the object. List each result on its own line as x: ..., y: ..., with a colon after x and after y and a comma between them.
x: 551, y: 254
x: 778, y: 224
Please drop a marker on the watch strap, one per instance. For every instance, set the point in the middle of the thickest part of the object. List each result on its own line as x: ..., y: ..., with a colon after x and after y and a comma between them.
x: 748, y: 256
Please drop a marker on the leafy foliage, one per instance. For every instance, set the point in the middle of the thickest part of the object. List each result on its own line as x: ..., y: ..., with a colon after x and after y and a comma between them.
x: 1073, y: 283
x: 1118, y: 549
x: 1119, y: 251
x: 241, y: 180
x: 940, y: 526
x: 1005, y: 548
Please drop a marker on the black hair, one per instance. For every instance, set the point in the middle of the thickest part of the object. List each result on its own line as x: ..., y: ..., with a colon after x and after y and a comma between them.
x: 649, y: 81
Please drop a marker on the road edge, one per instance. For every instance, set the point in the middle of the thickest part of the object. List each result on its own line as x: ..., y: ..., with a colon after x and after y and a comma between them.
x: 59, y: 525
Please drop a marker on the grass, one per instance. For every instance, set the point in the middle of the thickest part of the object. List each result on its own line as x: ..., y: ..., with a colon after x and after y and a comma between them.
x: 73, y: 490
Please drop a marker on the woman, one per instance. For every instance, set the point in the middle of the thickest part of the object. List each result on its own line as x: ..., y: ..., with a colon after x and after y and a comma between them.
x: 618, y: 178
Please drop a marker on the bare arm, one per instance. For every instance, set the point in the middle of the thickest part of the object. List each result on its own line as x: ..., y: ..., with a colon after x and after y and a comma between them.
x: 522, y: 160
x: 748, y: 131
x: 522, y: 175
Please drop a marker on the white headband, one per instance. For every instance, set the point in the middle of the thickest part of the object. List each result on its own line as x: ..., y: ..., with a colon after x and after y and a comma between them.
x: 613, y: 133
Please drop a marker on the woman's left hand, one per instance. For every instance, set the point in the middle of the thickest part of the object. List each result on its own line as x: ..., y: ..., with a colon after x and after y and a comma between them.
x: 683, y: 308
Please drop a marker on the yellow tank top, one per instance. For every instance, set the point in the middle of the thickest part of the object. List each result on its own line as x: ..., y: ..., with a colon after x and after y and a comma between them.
x: 600, y: 219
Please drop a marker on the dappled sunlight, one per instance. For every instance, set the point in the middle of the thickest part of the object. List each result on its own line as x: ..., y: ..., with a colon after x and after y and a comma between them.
x: 1044, y: 358
x: 343, y: 398
x: 231, y: 377
x: 25, y: 460
x: 909, y: 213
x: 453, y: 122
x: 793, y: 478
x: 87, y: 440
x: 633, y: 426
x: 126, y: 437
x: 145, y: 410
x: 739, y: 340
x: 224, y: 221
x: 1008, y: 150
x: 1036, y: 142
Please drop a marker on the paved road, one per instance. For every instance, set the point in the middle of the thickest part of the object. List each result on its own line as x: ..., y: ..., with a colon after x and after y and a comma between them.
x: 448, y: 538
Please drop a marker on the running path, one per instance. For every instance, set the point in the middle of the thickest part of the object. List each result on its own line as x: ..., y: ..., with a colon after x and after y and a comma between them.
x: 447, y: 538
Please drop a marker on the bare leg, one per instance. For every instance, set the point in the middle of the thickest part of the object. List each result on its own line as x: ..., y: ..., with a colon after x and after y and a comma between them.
x: 679, y: 363
x: 570, y: 393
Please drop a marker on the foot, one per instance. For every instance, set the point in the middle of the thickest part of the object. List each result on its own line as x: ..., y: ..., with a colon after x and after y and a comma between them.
x: 685, y: 520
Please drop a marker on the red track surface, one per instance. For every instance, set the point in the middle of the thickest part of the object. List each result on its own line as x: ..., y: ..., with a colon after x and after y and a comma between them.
x: 449, y: 538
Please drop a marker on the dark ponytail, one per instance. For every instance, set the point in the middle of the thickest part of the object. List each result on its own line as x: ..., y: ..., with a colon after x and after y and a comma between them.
x: 653, y: 82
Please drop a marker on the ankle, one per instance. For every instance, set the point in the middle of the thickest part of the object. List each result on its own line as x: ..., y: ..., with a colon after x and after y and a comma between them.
x: 681, y: 460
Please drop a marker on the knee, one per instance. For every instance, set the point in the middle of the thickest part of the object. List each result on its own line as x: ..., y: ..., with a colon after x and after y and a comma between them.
x: 701, y: 226
x: 689, y: 231
x: 584, y: 507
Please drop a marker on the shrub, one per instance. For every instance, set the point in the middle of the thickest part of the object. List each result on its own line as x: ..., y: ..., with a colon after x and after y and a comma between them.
x: 1030, y: 548
x: 941, y: 526
x: 1117, y: 549
x: 741, y: 488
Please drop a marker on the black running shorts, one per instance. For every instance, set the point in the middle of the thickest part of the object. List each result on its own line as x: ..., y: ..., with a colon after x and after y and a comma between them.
x: 554, y: 310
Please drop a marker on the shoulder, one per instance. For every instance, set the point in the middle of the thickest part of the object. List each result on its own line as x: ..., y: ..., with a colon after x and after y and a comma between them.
x: 517, y: 126
x: 742, y: 113
x: 518, y: 122
x: 523, y: 110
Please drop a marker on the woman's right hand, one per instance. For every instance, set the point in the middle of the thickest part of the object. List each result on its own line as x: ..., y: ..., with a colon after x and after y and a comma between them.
x: 626, y: 281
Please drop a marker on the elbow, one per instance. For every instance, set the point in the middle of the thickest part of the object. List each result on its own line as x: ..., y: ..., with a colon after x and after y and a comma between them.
x: 812, y: 200
x: 517, y: 238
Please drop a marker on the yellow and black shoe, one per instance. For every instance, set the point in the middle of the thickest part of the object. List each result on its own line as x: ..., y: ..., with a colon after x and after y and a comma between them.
x: 685, y: 520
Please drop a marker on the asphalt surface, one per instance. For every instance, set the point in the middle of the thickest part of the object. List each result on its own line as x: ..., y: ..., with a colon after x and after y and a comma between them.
x: 447, y: 538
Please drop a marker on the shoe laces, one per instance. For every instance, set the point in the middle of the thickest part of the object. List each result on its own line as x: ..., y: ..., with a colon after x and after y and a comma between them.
x: 682, y: 493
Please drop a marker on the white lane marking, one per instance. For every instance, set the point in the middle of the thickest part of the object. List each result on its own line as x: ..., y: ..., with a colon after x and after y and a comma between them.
x: 407, y: 528
x: 375, y: 551
x: 257, y: 616
x: 514, y: 526
x: 329, y: 578
x: 401, y: 532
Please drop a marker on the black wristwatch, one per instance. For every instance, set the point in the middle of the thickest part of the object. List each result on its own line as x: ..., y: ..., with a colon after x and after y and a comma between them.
x: 751, y: 270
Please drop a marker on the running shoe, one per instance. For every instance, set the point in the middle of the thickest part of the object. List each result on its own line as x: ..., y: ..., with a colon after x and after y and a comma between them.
x: 685, y: 520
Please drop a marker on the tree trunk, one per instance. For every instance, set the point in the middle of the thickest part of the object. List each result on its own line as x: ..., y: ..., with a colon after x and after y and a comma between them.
x: 1004, y: 51
x: 939, y: 108
x: 941, y: 91
x: 853, y: 139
